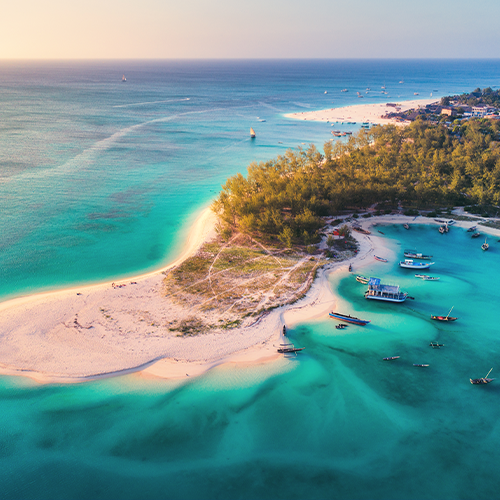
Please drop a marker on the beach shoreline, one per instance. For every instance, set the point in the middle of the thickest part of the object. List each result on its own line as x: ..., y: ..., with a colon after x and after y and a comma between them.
x: 40, y: 339
x: 362, y: 113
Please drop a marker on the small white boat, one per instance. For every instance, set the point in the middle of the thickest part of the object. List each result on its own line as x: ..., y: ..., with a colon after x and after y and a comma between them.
x: 124, y: 79
x: 426, y: 277
x: 411, y: 264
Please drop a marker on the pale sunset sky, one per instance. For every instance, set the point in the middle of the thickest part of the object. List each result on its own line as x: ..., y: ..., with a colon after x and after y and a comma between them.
x: 164, y: 29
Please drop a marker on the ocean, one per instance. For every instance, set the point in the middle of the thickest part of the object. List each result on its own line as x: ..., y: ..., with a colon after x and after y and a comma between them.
x: 101, y: 179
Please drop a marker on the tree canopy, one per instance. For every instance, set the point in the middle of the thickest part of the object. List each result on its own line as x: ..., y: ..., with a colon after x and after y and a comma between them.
x: 418, y: 165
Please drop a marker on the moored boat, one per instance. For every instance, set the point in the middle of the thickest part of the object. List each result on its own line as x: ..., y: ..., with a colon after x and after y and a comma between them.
x: 416, y: 255
x: 410, y: 264
x: 348, y: 318
x: 484, y: 380
x: 420, y: 365
x: 362, y: 279
x: 471, y: 229
x: 485, y: 245
x: 381, y: 259
x: 386, y: 293
x: 476, y: 235
x: 391, y: 358
x: 445, y: 318
x: 406, y: 226
x: 426, y: 277
x: 289, y: 348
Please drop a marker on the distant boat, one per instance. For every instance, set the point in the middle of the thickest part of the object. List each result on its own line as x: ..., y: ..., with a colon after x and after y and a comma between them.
x: 485, y: 245
x: 416, y: 255
x: 410, y: 264
x: 426, y: 277
x: 476, y: 235
x: 124, y: 79
x: 348, y: 318
x: 484, y: 380
x: 445, y: 318
x: 381, y: 259
x: 406, y: 226
x: 252, y: 133
x: 326, y: 92
x: 420, y: 365
x: 344, y: 90
x: 401, y: 81
x: 436, y: 345
x: 391, y: 358
x: 416, y: 93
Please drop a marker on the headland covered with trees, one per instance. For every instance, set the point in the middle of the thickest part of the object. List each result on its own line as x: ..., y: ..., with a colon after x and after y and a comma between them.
x: 423, y: 165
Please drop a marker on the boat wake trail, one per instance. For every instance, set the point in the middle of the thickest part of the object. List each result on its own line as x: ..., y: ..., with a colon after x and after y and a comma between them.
x: 150, y: 102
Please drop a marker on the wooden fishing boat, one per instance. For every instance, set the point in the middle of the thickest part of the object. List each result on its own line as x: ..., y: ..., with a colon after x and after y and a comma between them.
x: 436, y: 345
x: 381, y: 259
x: 348, y: 318
x: 410, y: 264
x: 252, y: 133
x: 484, y: 380
x: 362, y: 279
x: 426, y: 277
x: 406, y: 226
x: 391, y: 358
x: 410, y: 254
x: 485, y: 245
x: 471, y: 229
x: 289, y: 348
x: 476, y: 235
x: 445, y: 318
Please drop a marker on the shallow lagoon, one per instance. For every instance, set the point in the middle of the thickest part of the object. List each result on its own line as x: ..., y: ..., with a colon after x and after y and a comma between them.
x: 336, y: 421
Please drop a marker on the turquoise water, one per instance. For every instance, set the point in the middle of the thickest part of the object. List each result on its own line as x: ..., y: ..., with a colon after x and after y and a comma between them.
x: 100, y: 179
x: 334, y: 422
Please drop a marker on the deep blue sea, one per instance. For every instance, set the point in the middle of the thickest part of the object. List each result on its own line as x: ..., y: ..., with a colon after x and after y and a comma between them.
x: 101, y: 179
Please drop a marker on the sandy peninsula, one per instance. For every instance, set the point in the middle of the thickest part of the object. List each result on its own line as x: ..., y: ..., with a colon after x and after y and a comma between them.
x: 362, y: 113
x: 109, y: 329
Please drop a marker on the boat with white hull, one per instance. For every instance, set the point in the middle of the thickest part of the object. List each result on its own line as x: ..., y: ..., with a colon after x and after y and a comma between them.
x: 386, y: 293
x: 410, y: 264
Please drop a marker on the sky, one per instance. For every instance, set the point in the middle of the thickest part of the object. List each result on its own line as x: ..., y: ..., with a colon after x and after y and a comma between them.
x: 167, y: 29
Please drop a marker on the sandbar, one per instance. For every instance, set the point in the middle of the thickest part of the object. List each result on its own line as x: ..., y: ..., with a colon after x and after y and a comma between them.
x: 362, y: 113
x: 62, y: 337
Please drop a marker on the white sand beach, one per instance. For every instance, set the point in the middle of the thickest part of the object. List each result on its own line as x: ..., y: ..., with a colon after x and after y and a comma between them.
x: 62, y: 336
x: 364, y: 113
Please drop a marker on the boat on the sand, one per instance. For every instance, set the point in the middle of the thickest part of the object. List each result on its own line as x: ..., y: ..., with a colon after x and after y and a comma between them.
x: 381, y: 259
